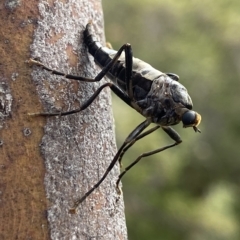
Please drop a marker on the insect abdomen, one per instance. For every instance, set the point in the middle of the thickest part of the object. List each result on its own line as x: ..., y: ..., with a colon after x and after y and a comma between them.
x: 103, y: 55
x: 95, y: 48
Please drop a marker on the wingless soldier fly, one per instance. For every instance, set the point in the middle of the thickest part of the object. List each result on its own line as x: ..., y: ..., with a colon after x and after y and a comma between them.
x: 158, y: 96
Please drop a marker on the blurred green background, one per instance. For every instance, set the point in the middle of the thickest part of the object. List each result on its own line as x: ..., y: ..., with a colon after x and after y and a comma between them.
x: 190, y: 192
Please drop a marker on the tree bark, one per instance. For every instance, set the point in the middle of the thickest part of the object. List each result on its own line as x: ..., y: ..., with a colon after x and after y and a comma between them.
x: 48, y: 163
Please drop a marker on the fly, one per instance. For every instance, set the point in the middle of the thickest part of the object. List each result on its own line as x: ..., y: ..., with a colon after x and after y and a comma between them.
x: 158, y: 96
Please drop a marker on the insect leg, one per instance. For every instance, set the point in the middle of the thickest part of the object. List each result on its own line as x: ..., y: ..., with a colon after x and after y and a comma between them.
x: 113, y: 87
x: 68, y: 76
x: 79, y: 78
x: 134, y: 140
x: 171, y: 133
x: 84, y: 105
x: 130, y: 137
x: 104, y: 71
x: 128, y: 73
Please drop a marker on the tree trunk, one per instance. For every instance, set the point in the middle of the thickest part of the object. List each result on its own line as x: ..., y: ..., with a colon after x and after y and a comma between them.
x: 48, y: 163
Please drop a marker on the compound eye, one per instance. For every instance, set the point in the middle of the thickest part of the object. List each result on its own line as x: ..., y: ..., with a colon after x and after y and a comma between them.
x: 189, y: 119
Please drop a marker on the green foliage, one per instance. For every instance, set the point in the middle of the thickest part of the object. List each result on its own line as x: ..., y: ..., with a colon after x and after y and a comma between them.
x: 191, y: 191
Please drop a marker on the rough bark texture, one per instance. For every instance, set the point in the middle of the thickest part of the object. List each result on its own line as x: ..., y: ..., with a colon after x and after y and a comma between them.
x: 46, y: 164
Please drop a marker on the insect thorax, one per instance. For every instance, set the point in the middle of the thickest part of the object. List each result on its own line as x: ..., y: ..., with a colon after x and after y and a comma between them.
x: 164, y: 97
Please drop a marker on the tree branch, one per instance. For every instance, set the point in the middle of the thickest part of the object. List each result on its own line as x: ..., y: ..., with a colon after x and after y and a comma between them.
x: 76, y: 149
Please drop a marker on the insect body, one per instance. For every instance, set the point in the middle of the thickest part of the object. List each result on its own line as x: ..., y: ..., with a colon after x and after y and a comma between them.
x: 158, y: 96
x: 154, y: 94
